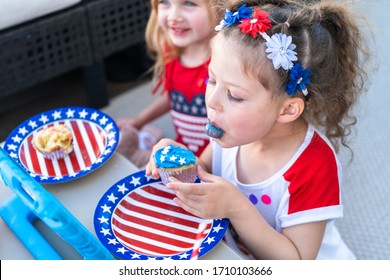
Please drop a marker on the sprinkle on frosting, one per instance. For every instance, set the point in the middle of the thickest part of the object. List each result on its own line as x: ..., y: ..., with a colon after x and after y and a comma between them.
x: 174, y: 157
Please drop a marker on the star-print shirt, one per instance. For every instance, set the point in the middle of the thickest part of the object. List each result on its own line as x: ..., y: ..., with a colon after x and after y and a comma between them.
x: 306, y: 189
x: 186, y: 88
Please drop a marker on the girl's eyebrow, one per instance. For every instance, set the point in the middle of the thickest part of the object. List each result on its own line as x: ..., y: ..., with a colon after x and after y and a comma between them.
x: 211, y: 73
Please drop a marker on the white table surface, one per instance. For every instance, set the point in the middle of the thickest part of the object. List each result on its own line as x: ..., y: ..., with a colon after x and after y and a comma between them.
x: 80, y: 197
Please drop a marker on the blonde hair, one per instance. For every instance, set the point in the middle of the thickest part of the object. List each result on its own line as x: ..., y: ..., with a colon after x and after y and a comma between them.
x: 160, y: 48
x: 328, y: 42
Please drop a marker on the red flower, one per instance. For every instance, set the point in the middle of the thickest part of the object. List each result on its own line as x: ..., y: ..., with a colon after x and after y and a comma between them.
x: 258, y: 24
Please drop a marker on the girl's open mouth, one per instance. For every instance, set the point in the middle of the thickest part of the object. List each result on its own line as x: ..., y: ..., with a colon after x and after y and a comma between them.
x: 177, y: 31
x: 213, y: 131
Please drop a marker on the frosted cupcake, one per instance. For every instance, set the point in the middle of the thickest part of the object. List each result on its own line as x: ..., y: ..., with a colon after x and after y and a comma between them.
x: 54, y: 142
x: 177, y: 162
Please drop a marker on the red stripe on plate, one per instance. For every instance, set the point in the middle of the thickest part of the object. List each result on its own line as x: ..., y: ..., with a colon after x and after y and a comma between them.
x: 158, y: 215
x: 136, y: 196
x: 81, y: 144
x: 49, y: 167
x: 92, y: 139
x: 63, y: 169
x: 153, y: 235
x: 33, y: 156
x: 153, y: 250
x: 75, y: 162
x: 22, y: 157
x: 158, y: 192
x: 148, y: 223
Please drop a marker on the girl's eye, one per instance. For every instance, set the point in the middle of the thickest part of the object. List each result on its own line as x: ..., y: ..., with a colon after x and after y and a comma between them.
x: 189, y: 3
x: 232, y: 98
x: 210, y: 82
x: 163, y: 2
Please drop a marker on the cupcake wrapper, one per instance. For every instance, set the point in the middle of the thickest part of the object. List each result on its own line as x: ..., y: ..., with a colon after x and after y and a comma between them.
x: 185, y: 176
x: 59, y: 154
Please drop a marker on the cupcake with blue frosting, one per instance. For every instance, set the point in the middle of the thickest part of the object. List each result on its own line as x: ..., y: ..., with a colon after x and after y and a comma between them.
x: 177, y: 162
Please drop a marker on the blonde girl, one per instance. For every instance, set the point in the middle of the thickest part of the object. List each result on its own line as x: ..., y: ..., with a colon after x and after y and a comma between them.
x: 178, y: 36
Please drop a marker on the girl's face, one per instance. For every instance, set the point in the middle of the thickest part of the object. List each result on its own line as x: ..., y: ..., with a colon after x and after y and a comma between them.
x: 236, y: 102
x: 185, y: 22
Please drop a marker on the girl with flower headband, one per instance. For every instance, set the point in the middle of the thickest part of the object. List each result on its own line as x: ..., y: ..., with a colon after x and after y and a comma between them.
x: 283, y: 78
x: 177, y: 36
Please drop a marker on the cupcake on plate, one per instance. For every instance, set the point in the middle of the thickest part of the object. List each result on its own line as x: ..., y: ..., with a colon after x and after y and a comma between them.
x: 177, y: 162
x: 54, y: 142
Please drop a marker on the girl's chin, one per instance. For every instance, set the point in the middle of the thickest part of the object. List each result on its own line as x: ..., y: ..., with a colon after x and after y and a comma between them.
x: 180, y: 43
x: 179, y: 40
x: 222, y: 143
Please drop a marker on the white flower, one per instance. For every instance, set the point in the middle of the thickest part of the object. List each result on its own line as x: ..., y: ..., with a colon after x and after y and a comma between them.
x: 281, y: 51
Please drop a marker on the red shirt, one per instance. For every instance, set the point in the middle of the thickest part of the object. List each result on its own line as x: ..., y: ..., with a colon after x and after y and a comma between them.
x: 186, y: 88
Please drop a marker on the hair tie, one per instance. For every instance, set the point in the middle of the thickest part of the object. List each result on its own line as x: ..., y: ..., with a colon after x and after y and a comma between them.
x: 287, y: 23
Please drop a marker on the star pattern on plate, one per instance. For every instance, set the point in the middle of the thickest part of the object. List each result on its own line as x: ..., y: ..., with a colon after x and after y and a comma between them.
x: 112, y: 198
x: 19, y: 135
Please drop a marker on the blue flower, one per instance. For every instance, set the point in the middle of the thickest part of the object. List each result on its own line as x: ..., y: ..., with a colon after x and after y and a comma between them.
x: 231, y: 18
x: 299, y: 78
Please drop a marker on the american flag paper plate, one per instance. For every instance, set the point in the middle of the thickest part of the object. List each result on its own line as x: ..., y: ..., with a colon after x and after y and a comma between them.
x: 95, y: 138
x: 137, y: 219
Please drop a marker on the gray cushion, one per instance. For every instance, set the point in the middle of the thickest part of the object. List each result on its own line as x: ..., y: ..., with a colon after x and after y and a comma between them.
x: 14, y: 12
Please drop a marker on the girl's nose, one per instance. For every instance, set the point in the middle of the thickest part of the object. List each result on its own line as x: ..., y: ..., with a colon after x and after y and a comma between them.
x: 175, y: 14
x: 213, y: 99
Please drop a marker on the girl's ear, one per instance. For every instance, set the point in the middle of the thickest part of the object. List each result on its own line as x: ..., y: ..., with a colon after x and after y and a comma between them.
x: 291, y: 109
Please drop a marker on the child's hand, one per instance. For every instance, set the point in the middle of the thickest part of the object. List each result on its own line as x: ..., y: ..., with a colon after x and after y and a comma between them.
x: 214, y: 198
x: 123, y: 122
x: 151, y: 168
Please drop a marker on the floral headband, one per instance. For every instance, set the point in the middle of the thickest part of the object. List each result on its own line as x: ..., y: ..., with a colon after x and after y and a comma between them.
x: 280, y: 48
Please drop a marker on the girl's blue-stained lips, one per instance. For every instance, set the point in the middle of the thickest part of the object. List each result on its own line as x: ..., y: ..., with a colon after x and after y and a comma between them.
x: 214, y: 131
